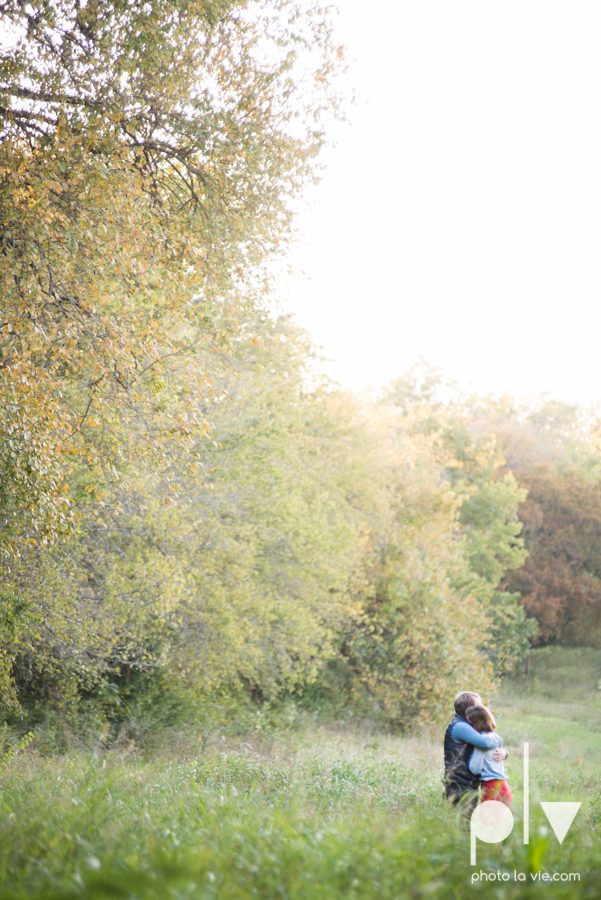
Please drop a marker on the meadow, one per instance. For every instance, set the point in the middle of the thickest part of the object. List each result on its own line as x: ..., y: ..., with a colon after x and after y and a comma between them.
x: 305, y: 807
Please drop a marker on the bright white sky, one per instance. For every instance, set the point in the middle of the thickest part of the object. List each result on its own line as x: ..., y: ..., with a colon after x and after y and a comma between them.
x: 460, y: 219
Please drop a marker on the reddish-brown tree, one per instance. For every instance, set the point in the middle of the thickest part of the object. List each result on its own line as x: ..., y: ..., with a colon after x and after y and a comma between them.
x: 560, y: 582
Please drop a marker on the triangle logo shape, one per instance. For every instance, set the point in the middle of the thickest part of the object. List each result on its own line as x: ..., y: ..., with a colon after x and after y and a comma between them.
x: 560, y: 816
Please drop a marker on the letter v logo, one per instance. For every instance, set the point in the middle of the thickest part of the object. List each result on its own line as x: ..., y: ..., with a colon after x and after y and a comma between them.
x: 560, y: 815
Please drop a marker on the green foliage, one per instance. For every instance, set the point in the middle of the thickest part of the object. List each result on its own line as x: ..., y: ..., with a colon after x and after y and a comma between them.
x: 469, y: 453
x: 240, y: 579
x: 492, y: 529
x: 321, y: 529
x: 17, y: 748
x: 13, y: 610
x: 512, y: 633
x: 415, y: 634
x: 271, y: 547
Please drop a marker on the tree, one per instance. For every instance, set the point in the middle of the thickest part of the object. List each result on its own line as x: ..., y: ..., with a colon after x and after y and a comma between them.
x: 550, y: 449
x: 149, y: 156
x: 560, y: 582
x: 419, y: 631
x: 466, y: 430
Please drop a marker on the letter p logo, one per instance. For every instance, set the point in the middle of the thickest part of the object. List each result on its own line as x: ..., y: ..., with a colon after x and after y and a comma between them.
x: 492, y: 822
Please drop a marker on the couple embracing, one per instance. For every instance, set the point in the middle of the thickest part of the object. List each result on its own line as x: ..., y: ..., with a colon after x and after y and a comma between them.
x: 473, y: 755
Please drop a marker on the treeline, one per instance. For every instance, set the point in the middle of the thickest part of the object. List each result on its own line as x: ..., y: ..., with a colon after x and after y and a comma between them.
x: 182, y: 491
x: 552, y: 450
x: 323, y: 529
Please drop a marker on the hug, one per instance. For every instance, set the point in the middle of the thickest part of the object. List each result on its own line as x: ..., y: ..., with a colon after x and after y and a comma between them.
x: 474, y: 755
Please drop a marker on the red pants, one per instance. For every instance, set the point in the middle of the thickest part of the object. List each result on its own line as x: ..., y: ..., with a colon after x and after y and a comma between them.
x: 496, y: 790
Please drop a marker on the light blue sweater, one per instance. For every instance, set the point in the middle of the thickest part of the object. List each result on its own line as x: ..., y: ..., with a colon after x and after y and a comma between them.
x: 482, y: 764
x: 463, y: 732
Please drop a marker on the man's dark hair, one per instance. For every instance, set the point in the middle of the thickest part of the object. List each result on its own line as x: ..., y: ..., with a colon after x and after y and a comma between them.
x: 464, y: 700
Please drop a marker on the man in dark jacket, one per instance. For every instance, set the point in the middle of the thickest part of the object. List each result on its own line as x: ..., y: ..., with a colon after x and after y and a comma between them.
x: 459, y: 741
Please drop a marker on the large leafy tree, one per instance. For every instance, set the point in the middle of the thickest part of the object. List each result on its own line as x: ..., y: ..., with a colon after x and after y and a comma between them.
x: 419, y: 630
x: 149, y: 155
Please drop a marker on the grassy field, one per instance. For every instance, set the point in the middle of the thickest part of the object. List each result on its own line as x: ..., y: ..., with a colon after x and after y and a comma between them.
x: 313, y: 812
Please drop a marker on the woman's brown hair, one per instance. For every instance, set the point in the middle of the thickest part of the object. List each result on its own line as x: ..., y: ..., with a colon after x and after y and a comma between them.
x: 481, y: 718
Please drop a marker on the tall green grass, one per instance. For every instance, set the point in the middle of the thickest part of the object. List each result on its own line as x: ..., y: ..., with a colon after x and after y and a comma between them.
x: 313, y: 813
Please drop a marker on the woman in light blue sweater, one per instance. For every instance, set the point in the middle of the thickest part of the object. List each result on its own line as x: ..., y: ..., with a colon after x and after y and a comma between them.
x: 482, y: 762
